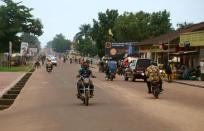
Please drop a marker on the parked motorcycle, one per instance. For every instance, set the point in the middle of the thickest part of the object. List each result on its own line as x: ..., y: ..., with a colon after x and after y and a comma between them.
x: 155, y: 89
x: 85, y: 90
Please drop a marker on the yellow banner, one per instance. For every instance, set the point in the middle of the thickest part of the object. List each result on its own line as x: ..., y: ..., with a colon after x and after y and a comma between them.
x: 195, y: 38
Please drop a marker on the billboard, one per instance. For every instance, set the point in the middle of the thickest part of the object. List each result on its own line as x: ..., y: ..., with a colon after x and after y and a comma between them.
x: 120, y: 50
x: 33, y: 51
x: 24, y: 49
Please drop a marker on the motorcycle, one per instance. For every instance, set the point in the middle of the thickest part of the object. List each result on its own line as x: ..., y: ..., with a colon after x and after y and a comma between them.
x: 49, y: 68
x: 120, y: 71
x: 85, y: 90
x: 64, y: 60
x: 155, y: 89
x: 70, y: 61
x: 110, y: 75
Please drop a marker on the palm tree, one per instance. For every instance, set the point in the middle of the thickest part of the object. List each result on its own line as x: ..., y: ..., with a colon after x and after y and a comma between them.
x: 84, y: 32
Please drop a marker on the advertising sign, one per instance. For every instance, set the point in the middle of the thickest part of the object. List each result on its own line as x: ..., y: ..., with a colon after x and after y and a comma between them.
x: 24, y: 49
x: 33, y: 51
x: 202, y: 65
x: 120, y: 49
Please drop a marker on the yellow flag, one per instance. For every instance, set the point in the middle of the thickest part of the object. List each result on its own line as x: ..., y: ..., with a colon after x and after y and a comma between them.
x: 110, y: 32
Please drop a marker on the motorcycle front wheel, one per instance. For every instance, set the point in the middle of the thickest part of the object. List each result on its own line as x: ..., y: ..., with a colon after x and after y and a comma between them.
x: 86, y: 98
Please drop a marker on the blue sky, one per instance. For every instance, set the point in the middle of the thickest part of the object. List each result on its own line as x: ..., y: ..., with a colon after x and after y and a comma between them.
x: 65, y: 16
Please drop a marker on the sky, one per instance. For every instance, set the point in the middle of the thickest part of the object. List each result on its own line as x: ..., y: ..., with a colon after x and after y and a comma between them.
x: 66, y: 16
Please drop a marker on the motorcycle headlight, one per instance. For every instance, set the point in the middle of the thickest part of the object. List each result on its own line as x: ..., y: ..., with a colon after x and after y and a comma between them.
x: 86, y: 80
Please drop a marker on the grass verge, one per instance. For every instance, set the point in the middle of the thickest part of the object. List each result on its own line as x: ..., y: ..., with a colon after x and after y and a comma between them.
x: 15, y: 69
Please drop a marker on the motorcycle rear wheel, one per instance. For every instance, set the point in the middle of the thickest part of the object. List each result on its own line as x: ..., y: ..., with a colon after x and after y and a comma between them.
x: 156, y: 93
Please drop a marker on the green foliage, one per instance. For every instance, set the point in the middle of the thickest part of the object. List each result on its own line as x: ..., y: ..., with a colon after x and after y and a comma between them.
x: 49, y: 44
x: 141, y: 26
x: 16, y: 18
x: 131, y: 27
x: 85, y: 47
x: 128, y: 27
x: 160, y: 23
x: 15, y: 69
x: 100, y: 29
x: 60, y: 44
x: 184, y: 25
x: 85, y: 31
x: 84, y: 44
x: 31, y: 39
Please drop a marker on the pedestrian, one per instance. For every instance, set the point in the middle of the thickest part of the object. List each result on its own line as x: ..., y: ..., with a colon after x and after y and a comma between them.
x: 91, y: 62
x: 168, y: 71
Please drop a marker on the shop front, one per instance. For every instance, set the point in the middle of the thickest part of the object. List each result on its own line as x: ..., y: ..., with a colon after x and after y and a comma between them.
x: 191, y: 49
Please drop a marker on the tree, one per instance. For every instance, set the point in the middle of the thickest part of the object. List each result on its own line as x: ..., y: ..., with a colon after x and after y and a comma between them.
x: 16, y: 18
x: 60, y: 44
x: 160, y: 23
x: 131, y: 27
x: 31, y: 39
x: 49, y: 44
x: 85, y: 47
x: 184, y: 25
x: 83, y: 40
x: 100, y: 29
x: 85, y: 31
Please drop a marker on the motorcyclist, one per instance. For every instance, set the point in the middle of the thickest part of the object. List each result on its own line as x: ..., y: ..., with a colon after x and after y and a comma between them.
x: 153, y: 75
x: 85, y: 72
x: 64, y: 59
x: 112, y: 67
x: 49, y: 64
x: 37, y: 63
x: 70, y: 60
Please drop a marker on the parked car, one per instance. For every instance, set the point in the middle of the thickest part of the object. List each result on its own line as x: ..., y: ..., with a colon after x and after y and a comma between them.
x: 137, y: 71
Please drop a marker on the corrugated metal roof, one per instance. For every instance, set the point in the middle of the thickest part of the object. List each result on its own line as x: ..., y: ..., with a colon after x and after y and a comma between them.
x: 171, y: 35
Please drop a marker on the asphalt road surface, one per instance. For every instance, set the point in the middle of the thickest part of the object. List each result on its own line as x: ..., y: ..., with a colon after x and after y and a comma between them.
x: 48, y: 103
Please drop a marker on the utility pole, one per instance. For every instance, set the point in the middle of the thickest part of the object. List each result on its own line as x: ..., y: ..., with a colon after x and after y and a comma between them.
x: 168, y: 49
x: 10, y: 53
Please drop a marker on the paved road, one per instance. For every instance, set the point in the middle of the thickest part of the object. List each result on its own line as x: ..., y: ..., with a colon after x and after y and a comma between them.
x: 48, y: 102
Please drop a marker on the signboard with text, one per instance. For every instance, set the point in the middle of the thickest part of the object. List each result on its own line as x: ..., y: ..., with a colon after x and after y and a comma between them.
x: 24, y: 49
x: 33, y: 51
x: 119, y: 49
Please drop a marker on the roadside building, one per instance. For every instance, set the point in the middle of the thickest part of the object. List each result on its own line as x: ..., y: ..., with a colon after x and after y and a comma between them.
x: 167, y: 46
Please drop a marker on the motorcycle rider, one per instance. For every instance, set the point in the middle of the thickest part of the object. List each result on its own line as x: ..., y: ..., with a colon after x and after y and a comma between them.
x: 64, y: 58
x: 112, y: 67
x: 70, y: 60
x: 84, y: 71
x: 153, y: 75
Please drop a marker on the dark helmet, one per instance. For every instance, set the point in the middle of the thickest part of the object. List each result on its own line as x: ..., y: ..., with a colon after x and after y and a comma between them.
x: 85, y: 65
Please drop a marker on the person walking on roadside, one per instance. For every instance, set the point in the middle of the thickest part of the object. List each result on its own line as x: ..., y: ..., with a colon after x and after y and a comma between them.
x: 168, y: 71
